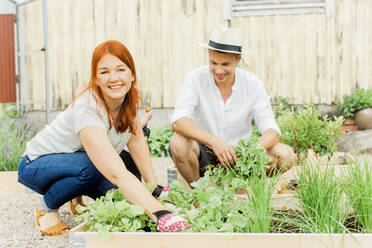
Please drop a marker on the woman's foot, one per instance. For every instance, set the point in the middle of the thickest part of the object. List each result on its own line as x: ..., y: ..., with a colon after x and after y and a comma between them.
x: 50, y: 223
x: 76, y: 201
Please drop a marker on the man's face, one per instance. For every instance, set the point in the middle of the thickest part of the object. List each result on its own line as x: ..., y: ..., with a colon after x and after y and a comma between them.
x: 222, y: 66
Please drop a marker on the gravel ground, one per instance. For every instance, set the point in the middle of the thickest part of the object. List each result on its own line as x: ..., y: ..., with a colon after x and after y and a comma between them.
x: 17, y: 216
x: 18, y: 223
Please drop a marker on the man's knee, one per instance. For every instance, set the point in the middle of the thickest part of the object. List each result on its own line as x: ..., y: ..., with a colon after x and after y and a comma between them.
x: 284, y: 157
x: 180, y: 147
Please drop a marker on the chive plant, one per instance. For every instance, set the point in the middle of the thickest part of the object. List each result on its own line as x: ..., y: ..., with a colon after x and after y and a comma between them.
x: 321, y: 199
x: 259, y: 202
x: 359, y: 191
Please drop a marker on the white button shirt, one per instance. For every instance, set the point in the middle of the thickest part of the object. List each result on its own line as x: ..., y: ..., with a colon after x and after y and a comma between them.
x: 201, y: 101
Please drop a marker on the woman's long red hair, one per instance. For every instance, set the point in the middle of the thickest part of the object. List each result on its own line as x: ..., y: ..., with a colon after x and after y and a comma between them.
x: 128, y: 110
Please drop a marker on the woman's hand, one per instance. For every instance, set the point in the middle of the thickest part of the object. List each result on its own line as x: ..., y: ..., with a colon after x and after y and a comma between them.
x: 170, y: 222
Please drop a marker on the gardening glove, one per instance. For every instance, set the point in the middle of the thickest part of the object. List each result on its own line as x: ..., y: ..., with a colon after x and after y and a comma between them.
x: 146, y: 131
x: 170, y: 222
x: 161, y: 193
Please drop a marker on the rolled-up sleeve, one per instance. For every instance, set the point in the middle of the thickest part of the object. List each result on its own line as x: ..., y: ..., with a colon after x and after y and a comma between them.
x: 187, y: 99
x: 262, y: 111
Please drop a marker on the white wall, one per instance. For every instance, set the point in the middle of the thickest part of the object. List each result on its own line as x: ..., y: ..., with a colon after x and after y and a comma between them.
x: 7, y: 7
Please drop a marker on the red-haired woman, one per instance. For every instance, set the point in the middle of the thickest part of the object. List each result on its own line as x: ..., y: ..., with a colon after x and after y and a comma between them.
x: 78, y: 153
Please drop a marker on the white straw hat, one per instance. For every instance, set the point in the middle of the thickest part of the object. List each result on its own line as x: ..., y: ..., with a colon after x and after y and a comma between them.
x: 223, y: 39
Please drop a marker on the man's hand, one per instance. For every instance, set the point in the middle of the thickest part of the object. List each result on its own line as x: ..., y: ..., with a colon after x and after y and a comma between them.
x: 224, y: 151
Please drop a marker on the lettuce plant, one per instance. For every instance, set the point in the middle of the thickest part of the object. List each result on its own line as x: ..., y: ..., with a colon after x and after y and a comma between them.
x: 113, y: 213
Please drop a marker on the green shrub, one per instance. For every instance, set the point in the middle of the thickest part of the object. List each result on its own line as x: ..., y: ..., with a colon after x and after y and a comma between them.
x: 359, y: 100
x: 281, y: 105
x: 307, y: 129
x: 14, y: 134
x: 158, y: 142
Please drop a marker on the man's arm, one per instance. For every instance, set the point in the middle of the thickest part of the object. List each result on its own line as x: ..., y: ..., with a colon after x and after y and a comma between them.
x: 269, y: 138
x: 187, y: 128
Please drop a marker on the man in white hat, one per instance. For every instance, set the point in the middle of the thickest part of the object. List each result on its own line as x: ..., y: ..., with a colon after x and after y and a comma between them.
x: 215, y: 109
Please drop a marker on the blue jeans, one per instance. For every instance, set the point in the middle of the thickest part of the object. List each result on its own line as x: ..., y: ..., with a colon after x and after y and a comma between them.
x: 64, y: 176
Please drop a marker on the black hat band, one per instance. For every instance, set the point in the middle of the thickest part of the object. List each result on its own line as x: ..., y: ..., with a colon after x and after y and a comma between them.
x: 225, y: 47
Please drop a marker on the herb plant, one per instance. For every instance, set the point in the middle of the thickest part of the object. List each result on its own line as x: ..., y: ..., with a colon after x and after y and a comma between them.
x: 359, y: 191
x: 307, y: 129
x: 359, y: 100
x: 321, y: 199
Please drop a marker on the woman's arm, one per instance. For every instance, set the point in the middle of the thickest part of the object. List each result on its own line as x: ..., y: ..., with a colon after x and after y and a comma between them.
x: 141, y: 155
x: 108, y: 162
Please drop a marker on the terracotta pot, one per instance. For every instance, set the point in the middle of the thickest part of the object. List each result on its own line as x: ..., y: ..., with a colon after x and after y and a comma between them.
x: 349, y: 121
x: 348, y: 128
x: 363, y: 118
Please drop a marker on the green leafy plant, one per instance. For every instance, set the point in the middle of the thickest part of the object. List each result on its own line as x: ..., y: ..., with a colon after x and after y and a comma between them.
x: 205, y: 208
x: 215, y: 208
x: 359, y: 191
x: 252, y: 160
x: 361, y: 99
x: 307, y: 129
x: 255, y: 131
x: 158, y: 142
x: 210, y: 208
x: 212, y: 204
x: 14, y: 134
x: 113, y: 213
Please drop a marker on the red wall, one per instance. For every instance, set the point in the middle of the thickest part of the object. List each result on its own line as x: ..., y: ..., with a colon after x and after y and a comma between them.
x: 7, y: 59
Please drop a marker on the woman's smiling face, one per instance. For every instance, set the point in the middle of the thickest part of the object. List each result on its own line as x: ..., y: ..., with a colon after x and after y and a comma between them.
x: 114, y: 78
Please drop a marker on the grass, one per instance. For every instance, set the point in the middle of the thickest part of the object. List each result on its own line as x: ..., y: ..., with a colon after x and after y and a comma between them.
x: 359, y: 191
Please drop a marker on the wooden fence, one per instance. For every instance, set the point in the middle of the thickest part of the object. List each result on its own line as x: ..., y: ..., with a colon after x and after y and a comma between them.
x: 311, y: 58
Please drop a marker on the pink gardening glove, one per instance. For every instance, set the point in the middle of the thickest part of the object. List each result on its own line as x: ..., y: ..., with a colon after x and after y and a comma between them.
x: 170, y: 222
x: 161, y: 193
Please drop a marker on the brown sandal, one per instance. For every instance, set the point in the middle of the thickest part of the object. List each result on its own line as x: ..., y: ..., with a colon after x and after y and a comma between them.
x: 73, y: 207
x: 55, y: 230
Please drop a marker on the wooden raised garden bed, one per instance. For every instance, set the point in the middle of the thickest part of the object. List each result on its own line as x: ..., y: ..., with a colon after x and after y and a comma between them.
x: 79, y: 238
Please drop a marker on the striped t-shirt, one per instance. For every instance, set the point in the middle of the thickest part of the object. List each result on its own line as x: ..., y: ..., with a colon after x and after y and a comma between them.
x: 60, y: 136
